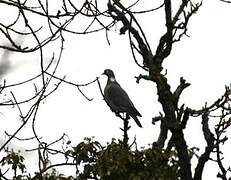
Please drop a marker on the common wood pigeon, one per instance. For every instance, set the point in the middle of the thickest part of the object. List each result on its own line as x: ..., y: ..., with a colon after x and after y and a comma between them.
x: 117, y: 99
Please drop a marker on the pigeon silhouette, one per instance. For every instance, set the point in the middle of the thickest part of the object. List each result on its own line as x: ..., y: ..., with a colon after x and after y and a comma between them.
x: 117, y: 99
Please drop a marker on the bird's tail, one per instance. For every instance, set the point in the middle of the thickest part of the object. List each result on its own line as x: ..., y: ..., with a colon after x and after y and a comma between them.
x: 136, y: 120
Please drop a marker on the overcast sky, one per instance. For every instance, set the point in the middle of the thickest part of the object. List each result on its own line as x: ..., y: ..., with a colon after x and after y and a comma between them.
x: 203, y: 60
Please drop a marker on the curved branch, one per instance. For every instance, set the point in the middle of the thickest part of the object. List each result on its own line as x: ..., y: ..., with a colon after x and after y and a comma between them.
x: 209, y: 137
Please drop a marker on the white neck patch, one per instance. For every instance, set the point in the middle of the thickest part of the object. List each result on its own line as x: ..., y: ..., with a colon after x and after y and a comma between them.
x: 112, y: 79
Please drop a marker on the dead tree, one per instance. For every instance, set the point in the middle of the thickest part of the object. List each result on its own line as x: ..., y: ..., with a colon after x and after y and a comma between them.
x: 175, y: 117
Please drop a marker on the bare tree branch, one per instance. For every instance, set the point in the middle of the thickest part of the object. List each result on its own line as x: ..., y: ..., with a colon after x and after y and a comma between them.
x: 209, y: 137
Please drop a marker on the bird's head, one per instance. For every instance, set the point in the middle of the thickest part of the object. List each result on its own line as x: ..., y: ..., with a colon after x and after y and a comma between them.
x: 109, y: 73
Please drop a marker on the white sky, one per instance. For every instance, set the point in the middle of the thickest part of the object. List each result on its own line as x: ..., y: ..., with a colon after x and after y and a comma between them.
x: 203, y: 60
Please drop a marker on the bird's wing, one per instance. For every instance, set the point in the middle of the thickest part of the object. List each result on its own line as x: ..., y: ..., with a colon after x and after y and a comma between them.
x: 119, y: 99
